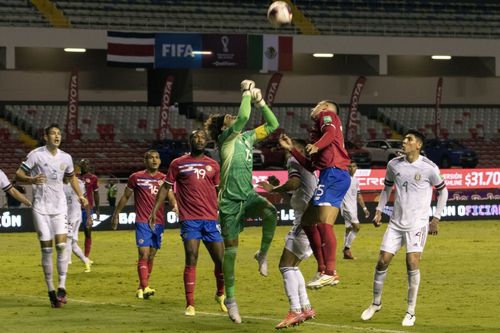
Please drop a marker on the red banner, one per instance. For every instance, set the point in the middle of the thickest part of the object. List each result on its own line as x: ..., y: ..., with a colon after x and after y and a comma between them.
x: 272, y: 88
x: 437, y: 113
x: 373, y: 179
x: 72, y: 116
x: 164, y: 109
x: 352, y: 126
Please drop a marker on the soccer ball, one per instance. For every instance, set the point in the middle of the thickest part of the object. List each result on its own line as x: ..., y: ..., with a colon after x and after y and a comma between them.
x: 279, y: 13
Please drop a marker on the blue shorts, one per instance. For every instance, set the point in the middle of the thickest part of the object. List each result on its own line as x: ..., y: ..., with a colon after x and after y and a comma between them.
x: 145, y: 237
x: 206, y: 230
x: 332, y: 187
x: 84, y: 217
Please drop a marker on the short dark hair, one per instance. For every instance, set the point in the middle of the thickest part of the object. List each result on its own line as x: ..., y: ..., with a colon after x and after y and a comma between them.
x: 213, y: 125
x: 419, y: 135
x: 300, y: 142
x: 337, y: 107
x: 51, y: 126
x: 191, y: 135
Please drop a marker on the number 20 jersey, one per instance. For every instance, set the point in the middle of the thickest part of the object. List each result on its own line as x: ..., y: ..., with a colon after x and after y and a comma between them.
x: 196, y: 180
x: 145, y: 187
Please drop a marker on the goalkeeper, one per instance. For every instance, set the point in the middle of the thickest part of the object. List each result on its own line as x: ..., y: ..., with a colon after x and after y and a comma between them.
x: 237, y: 197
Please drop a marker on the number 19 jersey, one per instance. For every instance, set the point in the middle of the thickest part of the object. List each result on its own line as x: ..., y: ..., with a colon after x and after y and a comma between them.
x: 145, y: 187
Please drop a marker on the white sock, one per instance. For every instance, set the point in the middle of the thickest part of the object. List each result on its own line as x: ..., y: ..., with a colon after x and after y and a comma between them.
x: 350, y: 238
x: 62, y: 264
x: 68, y: 250
x: 378, y: 285
x: 47, y: 267
x: 78, y: 252
x: 304, y: 299
x: 291, y: 287
x: 413, y: 283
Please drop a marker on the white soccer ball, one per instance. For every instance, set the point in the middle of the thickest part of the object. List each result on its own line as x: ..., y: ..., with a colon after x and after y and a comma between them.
x: 279, y: 13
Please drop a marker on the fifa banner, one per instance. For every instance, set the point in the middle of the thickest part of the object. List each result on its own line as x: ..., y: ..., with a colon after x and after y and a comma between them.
x: 373, y: 179
x: 72, y: 116
x: 437, y: 113
x: 352, y: 126
x: 21, y: 219
x: 164, y: 126
x: 189, y: 50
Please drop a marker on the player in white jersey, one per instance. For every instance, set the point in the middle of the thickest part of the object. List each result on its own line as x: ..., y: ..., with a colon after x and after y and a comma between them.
x: 7, y: 186
x: 414, y: 176
x: 44, y: 168
x: 74, y: 217
x: 303, y: 183
x: 349, y: 211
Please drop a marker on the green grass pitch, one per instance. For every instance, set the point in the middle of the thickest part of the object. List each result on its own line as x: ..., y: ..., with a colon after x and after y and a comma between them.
x: 459, y: 289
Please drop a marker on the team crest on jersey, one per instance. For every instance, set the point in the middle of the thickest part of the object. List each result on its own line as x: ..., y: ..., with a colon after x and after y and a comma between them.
x: 209, y: 168
x: 418, y: 176
x: 327, y: 119
x: 62, y: 166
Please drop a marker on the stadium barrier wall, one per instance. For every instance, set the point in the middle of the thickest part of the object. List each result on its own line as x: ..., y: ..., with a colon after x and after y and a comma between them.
x: 21, y: 220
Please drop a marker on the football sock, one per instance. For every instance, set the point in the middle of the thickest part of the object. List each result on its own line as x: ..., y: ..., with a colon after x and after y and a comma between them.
x: 378, y: 285
x: 413, y: 283
x: 304, y: 299
x: 228, y: 269
x: 314, y: 238
x: 350, y: 238
x: 88, y: 245
x: 150, y: 267
x: 219, y: 279
x: 269, y: 219
x: 189, y: 284
x: 329, y: 247
x: 47, y: 267
x: 62, y: 264
x: 69, y: 249
x: 291, y: 287
x: 142, y: 270
x: 78, y: 251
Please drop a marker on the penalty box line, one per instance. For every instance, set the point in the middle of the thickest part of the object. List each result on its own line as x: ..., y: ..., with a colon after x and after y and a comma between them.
x: 314, y: 323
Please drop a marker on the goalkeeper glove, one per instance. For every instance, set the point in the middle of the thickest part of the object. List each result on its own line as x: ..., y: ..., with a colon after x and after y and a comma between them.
x: 246, y: 86
x: 257, y: 99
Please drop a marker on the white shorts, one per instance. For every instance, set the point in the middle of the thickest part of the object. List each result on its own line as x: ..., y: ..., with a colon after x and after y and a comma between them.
x: 349, y: 217
x: 74, y: 225
x: 296, y: 242
x: 47, y: 226
x: 395, y: 239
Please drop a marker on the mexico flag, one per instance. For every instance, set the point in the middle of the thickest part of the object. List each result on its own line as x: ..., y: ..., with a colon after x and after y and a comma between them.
x: 270, y: 52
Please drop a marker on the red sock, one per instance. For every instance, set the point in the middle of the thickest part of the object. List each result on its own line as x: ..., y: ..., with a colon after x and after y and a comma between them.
x: 150, y: 267
x: 189, y: 284
x: 88, y: 245
x: 219, y: 278
x: 314, y: 237
x: 329, y: 248
x: 142, y: 270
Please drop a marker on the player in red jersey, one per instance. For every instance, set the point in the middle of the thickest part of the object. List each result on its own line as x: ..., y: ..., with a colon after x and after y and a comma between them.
x: 196, y: 177
x: 92, y: 189
x: 145, y: 185
x: 327, y: 154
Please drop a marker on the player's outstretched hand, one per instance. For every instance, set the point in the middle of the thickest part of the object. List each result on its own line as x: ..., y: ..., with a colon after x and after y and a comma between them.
x: 433, y: 226
x: 266, y: 186
x: 367, y: 212
x: 311, y: 149
x: 377, y: 220
x: 246, y: 86
x: 273, y: 180
x: 257, y: 98
x: 286, y: 142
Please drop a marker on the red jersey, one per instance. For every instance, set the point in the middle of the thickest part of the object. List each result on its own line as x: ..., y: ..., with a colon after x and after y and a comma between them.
x: 91, y: 185
x: 334, y: 153
x: 196, y: 180
x: 145, y: 187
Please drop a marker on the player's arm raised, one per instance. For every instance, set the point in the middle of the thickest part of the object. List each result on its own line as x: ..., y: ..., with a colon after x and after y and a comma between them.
x: 271, y: 122
x: 123, y: 201
x: 160, y: 199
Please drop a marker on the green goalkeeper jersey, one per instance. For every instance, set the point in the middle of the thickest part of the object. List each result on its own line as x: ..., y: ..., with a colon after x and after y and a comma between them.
x: 236, y: 154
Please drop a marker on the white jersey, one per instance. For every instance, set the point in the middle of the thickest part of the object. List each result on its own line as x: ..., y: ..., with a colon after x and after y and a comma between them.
x: 74, y: 206
x: 4, y: 182
x: 308, y: 183
x: 350, y: 202
x: 49, y: 197
x: 413, y: 194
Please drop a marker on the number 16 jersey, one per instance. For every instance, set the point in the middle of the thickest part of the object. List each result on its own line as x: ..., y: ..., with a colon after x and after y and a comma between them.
x: 145, y: 187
